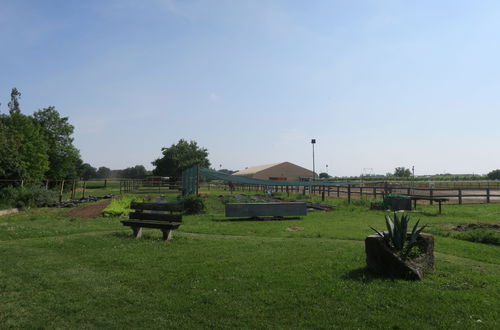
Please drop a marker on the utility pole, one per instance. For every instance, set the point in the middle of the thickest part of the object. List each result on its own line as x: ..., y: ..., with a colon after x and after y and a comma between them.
x: 313, y: 142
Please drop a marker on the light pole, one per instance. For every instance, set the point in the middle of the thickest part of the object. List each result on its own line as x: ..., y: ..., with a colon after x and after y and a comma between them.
x: 313, y: 142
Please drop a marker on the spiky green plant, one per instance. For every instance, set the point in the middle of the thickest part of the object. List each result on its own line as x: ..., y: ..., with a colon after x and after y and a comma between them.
x: 396, y: 235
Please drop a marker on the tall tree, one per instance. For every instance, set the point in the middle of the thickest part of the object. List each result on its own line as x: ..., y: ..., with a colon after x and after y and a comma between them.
x: 103, y: 172
x: 10, y: 160
x: 402, y: 172
x: 86, y: 171
x: 14, y: 107
x: 178, y: 157
x: 136, y: 172
x: 26, y: 140
x: 63, y: 156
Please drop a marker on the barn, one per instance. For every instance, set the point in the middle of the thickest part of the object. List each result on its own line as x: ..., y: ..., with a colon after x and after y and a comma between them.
x: 278, y: 171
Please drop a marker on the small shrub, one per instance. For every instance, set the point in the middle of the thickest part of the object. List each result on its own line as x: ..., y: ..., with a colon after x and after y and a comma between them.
x: 193, y: 204
x: 26, y: 197
x: 119, y: 207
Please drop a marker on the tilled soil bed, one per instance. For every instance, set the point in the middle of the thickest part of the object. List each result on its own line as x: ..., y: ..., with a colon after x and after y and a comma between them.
x: 89, y: 211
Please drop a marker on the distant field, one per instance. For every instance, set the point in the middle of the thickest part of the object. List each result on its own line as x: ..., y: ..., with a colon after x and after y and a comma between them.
x: 60, y: 272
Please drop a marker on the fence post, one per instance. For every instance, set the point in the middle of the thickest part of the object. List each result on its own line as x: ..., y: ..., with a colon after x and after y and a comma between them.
x: 348, y: 194
x: 323, y: 194
x: 73, y: 189
x: 105, y: 183
x: 374, y: 192
x: 360, y: 192
x: 61, y: 192
x: 460, y: 196
x: 487, y: 195
x: 338, y: 191
x: 431, y: 194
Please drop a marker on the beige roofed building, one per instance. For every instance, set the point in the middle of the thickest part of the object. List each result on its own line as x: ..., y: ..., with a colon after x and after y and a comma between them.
x: 277, y: 171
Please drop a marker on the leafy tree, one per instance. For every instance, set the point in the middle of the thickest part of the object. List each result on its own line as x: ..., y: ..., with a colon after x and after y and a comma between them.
x: 178, y: 157
x: 323, y: 175
x: 402, y: 172
x: 10, y: 160
x: 494, y: 175
x: 103, y: 172
x: 86, y: 171
x: 26, y: 140
x: 136, y: 172
x: 63, y: 156
x: 14, y: 107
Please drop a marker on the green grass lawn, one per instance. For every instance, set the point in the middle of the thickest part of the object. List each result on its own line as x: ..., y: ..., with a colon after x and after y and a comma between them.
x: 59, y: 272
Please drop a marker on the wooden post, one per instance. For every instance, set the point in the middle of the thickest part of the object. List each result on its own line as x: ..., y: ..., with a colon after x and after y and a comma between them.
x: 338, y: 191
x: 73, y: 190
x: 304, y: 191
x: 487, y: 195
x: 374, y: 192
x: 105, y: 183
x: 360, y: 192
x: 328, y: 192
x: 61, y: 192
x: 287, y: 192
x: 323, y: 194
x: 348, y: 194
x: 431, y: 194
x: 460, y: 196
x: 408, y: 191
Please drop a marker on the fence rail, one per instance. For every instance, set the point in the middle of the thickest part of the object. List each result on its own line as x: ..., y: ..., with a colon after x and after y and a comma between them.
x: 470, y: 195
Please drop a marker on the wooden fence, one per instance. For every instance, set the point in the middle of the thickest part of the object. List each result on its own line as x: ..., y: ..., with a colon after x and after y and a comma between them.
x: 471, y: 195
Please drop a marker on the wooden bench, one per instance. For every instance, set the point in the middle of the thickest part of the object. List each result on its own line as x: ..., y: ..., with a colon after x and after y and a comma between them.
x: 430, y: 199
x: 154, y: 215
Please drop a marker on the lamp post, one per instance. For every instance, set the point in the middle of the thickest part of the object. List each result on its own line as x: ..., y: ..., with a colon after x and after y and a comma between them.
x: 313, y: 142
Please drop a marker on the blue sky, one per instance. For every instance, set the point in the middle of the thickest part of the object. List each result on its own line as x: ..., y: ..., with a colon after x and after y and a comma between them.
x: 379, y: 84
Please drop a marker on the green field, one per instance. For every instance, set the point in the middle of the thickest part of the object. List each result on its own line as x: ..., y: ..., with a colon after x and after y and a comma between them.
x: 60, y: 272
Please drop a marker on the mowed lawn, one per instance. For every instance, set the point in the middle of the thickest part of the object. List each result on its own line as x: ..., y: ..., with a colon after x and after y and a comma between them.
x: 59, y: 272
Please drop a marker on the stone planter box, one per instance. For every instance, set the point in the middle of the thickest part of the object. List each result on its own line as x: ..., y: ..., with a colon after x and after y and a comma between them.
x: 287, y: 209
x: 381, y: 260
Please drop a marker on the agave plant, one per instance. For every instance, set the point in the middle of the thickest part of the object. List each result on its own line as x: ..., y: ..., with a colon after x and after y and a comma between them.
x: 396, y: 235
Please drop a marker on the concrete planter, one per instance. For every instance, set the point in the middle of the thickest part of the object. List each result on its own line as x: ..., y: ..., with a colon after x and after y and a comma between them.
x: 8, y: 211
x: 381, y: 260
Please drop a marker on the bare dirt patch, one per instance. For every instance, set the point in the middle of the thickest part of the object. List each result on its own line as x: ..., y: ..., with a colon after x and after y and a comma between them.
x: 294, y: 229
x: 91, y: 211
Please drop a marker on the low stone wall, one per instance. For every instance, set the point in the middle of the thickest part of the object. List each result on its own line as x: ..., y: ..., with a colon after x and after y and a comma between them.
x: 9, y: 211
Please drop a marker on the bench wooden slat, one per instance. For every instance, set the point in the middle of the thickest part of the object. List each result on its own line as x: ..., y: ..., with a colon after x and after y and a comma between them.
x: 151, y: 224
x: 155, y: 216
x: 172, y: 207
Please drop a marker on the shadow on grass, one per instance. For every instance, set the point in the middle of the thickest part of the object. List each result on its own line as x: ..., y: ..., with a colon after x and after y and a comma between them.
x: 363, y: 274
x: 258, y: 219
x: 145, y: 236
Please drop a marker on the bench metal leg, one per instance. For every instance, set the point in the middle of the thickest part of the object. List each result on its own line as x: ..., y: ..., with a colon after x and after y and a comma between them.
x: 167, y: 234
x: 137, y: 232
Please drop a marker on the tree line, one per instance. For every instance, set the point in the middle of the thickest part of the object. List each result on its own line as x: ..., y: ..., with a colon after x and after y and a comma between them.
x: 40, y: 147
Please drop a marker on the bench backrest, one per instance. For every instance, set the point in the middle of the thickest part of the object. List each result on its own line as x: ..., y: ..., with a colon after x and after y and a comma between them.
x: 156, y: 211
